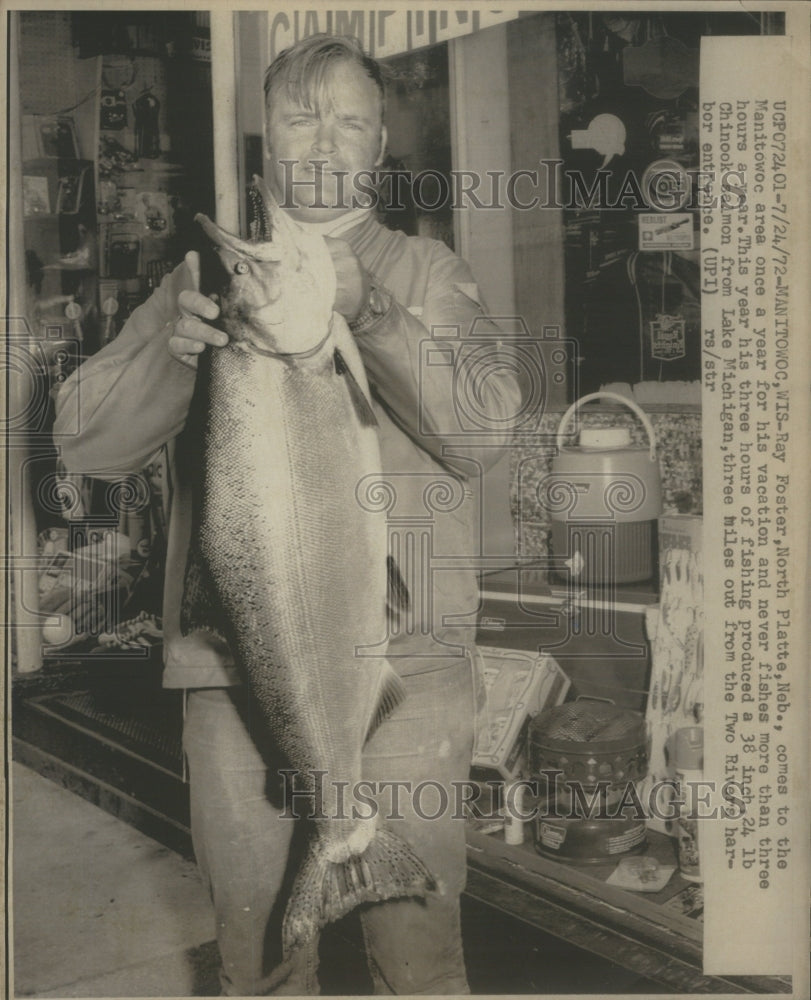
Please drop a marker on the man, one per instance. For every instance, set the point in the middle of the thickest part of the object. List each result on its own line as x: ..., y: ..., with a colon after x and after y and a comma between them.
x: 324, y: 104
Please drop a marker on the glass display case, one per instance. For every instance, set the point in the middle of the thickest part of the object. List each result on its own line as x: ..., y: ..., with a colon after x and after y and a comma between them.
x: 112, y: 159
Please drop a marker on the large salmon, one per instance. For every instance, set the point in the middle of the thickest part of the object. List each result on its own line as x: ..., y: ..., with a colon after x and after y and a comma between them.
x: 285, y: 563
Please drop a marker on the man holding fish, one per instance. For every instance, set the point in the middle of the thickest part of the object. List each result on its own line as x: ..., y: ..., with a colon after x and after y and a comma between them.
x: 277, y: 589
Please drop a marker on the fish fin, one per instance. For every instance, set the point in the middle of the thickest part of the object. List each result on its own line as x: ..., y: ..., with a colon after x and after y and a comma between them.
x: 199, y: 609
x: 392, y: 693
x: 363, y: 407
x: 326, y: 890
x: 398, y: 597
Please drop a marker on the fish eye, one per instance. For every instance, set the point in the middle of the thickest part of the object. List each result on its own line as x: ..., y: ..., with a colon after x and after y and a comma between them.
x: 241, y: 267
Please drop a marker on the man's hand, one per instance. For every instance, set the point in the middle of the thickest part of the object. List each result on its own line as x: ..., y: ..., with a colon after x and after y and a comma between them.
x: 192, y: 334
x: 353, y: 280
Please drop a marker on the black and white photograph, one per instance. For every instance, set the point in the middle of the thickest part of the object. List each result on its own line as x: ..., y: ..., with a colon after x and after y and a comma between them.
x: 406, y: 462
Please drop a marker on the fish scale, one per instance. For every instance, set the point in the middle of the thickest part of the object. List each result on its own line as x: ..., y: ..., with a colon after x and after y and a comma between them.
x: 295, y: 552
x: 286, y: 564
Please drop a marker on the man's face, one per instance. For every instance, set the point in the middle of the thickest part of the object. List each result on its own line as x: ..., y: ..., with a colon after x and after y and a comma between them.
x: 339, y: 135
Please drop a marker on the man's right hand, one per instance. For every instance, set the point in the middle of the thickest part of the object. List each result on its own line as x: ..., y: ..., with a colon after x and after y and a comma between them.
x: 192, y: 332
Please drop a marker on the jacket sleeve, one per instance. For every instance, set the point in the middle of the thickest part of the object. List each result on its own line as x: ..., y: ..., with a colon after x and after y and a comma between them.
x: 447, y: 393
x: 123, y: 403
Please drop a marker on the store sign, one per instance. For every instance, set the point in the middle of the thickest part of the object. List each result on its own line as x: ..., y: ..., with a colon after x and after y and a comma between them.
x: 382, y: 32
x: 201, y: 48
x: 668, y: 338
x: 658, y: 231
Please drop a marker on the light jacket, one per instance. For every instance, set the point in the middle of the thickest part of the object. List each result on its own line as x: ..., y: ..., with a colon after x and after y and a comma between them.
x: 443, y: 410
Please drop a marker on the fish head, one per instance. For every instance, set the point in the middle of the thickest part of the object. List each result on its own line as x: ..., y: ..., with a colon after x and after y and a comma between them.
x: 277, y: 295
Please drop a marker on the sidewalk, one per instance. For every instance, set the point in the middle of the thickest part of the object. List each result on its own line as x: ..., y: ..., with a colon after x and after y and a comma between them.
x: 101, y: 910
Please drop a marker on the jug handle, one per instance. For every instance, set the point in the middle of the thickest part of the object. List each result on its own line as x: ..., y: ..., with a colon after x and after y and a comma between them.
x: 619, y: 399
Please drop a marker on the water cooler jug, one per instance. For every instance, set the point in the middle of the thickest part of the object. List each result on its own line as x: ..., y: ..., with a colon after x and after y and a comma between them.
x: 603, y: 497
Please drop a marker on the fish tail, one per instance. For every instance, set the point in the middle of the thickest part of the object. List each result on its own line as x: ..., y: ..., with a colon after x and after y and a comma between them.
x: 326, y: 890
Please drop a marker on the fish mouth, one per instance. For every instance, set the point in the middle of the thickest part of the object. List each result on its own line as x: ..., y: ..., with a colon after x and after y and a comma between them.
x: 223, y: 240
x: 279, y: 226
x: 280, y: 230
x: 218, y: 236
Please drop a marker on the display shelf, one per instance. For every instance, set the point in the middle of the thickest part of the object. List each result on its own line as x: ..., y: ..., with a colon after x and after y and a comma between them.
x: 57, y: 187
x: 575, y: 904
x: 111, y: 168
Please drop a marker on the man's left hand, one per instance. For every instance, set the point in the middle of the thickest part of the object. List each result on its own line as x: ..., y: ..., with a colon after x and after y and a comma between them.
x: 354, y: 283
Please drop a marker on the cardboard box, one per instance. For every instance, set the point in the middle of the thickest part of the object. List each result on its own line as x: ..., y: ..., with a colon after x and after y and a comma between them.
x: 513, y: 687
